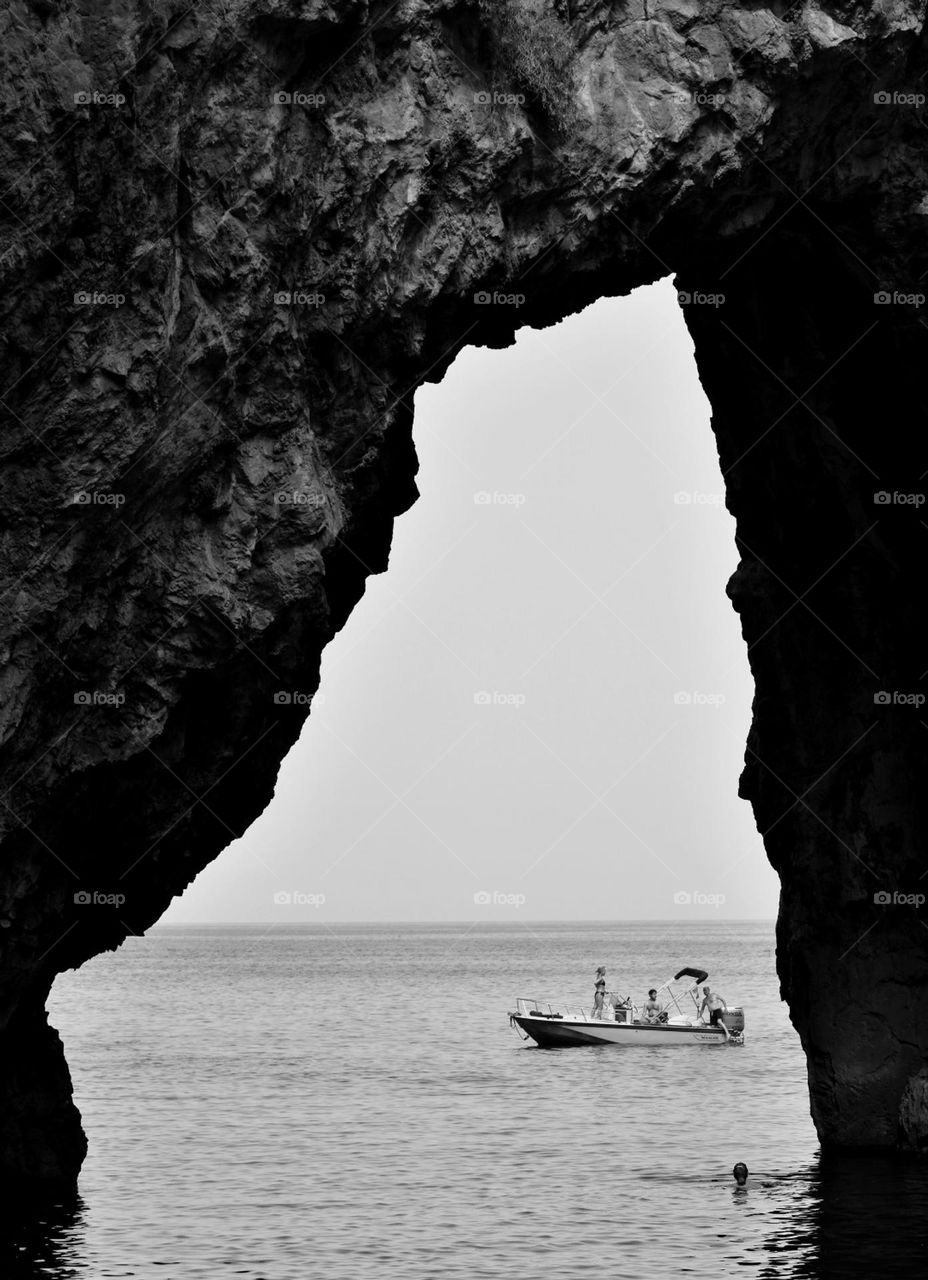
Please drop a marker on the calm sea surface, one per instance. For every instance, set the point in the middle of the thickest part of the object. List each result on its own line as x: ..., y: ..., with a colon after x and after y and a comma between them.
x: 350, y: 1102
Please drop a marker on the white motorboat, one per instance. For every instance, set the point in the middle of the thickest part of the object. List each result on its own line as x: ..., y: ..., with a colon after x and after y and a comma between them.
x: 621, y: 1022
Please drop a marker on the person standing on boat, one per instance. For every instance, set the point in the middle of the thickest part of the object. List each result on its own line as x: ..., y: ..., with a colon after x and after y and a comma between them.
x: 714, y: 1005
x: 599, y: 992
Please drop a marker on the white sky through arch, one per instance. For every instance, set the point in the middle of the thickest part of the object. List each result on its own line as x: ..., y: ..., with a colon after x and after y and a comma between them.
x: 540, y: 711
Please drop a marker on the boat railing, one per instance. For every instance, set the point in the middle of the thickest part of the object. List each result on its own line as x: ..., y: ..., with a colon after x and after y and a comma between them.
x: 527, y: 1005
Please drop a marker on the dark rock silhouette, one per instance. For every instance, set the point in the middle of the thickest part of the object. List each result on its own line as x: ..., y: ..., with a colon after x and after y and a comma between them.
x: 235, y: 242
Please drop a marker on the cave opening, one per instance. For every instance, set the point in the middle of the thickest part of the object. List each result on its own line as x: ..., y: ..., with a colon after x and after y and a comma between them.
x: 548, y: 689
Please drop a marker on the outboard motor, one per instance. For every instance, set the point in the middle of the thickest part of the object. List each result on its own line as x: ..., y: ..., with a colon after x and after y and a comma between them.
x: 734, y: 1021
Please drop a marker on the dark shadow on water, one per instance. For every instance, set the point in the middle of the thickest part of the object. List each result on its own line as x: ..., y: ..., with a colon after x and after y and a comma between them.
x: 840, y: 1218
x: 41, y: 1238
x: 860, y: 1216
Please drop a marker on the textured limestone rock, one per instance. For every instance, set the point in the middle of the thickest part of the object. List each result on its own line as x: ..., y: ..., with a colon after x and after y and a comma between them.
x: 235, y: 241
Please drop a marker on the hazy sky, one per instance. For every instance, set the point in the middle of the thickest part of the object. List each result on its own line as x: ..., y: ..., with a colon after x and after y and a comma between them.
x: 540, y: 711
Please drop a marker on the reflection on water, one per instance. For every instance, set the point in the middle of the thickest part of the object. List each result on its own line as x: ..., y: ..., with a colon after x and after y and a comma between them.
x: 41, y: 1239
x: 840, y: 1218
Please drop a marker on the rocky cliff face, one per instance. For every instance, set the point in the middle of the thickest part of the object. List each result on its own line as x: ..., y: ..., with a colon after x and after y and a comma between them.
x: 235, y: 241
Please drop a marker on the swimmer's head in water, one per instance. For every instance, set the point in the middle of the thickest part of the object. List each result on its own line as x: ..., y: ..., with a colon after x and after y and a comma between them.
x: 740, y: 1173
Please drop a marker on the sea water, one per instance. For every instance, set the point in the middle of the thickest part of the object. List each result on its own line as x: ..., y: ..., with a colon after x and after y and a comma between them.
x: 350, y: 1101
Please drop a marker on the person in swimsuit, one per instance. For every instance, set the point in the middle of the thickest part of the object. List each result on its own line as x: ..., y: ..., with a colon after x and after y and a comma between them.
x: 599, y: 992
x: 714, y: 1004
x: 652, y: 1009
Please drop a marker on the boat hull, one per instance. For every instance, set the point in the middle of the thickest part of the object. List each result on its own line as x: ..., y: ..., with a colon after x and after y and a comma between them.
x: 562, y: 1033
